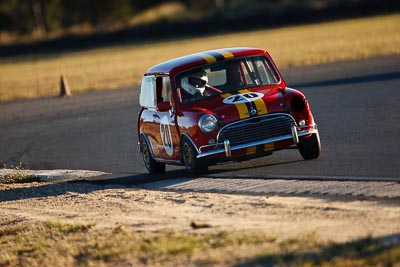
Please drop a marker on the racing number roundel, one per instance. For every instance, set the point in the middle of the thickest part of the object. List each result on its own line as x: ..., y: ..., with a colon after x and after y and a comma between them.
x: 243, y: 98
x: 166, y: 137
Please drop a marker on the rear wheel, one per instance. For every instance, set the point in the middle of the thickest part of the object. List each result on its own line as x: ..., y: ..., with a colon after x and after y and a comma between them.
x: 189, y: 157
x: 151, y: 165
x: 310, y: 148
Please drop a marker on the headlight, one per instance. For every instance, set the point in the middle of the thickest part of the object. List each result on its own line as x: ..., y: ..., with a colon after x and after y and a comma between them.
x: 208, y: 123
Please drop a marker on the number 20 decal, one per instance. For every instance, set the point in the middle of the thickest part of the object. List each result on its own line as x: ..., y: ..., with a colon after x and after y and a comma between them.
x: 243, y: 98
x: 166, y: 137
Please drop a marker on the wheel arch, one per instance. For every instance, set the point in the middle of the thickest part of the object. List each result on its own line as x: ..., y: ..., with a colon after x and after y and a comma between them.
x: 185, y: 135
x: 144, y: 136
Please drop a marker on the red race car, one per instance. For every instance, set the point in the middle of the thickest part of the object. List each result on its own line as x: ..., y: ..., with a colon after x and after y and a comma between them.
x: 220, y: 105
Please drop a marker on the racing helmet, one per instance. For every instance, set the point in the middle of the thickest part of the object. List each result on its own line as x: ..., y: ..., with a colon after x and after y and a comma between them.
x: 195, y: 82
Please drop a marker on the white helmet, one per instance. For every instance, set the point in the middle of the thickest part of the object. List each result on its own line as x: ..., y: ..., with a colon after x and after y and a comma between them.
x: 195, y: 82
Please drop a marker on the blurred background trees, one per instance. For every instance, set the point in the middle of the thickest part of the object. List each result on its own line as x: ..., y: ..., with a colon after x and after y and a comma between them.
x: 45, y: 16
x: 41, y: 18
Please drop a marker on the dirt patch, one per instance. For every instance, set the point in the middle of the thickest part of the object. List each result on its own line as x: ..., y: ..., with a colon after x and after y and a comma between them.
x: 111, y: 206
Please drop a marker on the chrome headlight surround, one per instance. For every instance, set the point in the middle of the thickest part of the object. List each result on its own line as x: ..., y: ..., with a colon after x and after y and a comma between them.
x: 207, y: 123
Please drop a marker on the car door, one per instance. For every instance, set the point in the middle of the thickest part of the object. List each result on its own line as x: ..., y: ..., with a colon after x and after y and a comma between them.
x: 166, y: 145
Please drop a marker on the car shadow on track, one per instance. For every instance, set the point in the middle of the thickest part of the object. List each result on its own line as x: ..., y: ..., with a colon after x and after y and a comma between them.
x: 241, y: 170
x: 83, y: 186
x: 224, y: 170
x: 124, y: 180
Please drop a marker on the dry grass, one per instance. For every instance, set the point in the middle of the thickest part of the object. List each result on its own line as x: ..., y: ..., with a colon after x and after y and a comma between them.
x: 56, y: 244
x: 122, y: 66
x: 17, y: 174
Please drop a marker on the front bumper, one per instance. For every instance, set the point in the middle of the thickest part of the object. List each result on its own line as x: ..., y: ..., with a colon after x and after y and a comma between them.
x: 225, y: 146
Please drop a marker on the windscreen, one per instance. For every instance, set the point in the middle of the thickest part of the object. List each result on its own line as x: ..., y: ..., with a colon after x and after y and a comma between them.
x: 224, y: 77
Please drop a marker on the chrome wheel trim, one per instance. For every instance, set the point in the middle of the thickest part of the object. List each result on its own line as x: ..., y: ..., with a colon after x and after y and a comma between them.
x: 188, y: 155
x: 146, y: 155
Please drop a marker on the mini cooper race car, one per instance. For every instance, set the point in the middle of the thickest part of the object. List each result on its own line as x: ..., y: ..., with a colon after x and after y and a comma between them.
x: 222, y: 105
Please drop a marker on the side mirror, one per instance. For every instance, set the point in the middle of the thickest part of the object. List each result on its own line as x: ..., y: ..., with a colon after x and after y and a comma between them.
x: 164, y: 106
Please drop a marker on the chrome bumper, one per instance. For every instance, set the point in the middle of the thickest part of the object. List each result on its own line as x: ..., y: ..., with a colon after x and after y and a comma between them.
x: 227, y: 148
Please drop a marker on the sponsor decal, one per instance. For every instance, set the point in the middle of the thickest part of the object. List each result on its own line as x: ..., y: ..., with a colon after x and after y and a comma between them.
x: 243, y: 98
x: 247, y: 103
x: 166, y: 137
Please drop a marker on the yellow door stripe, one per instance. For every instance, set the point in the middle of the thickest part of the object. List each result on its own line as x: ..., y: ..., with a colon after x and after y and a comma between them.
x: 260, y: 104
x: 261, y: 107
x: 227, y: 55
x: 225, y: 95
x: 212, y: 57
x: 243, y: 113
x: 269, y: 147
x: 251, y: 150
x: 243, y: 91
x: 209, y: 58
x: 241, y: 108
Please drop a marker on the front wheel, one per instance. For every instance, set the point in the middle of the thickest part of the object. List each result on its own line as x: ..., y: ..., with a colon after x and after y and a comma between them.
x: 189, y: 157
x: 151, y: 165
x: 310, y: 148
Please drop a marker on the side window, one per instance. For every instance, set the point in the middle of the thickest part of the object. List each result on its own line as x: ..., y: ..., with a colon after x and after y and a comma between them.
x: 164, y: 90
x: 273, y: 77
x: 258, y: 71
x: 247, y: 72
x: 148, y: 92
x: 166, y: 93
x: 263, y: 72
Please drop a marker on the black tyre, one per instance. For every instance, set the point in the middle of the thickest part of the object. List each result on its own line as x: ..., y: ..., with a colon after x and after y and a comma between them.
x: 310, y: 148
x: 189, y: 158
x: 151, y: 165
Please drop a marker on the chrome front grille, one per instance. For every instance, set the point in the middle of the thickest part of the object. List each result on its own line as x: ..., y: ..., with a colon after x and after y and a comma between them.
x: 256, y: 129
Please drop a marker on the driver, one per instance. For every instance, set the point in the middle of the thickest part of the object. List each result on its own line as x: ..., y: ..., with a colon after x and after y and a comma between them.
x: 194, y: 84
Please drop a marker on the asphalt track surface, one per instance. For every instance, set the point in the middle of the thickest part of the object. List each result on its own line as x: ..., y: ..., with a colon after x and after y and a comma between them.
x: 356, y: 105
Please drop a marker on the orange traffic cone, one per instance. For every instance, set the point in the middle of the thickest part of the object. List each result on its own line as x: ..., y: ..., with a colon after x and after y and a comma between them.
x: 65, y: 91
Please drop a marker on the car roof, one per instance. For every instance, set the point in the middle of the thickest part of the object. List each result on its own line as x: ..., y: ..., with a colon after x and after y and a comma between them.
x: 198, y: 59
